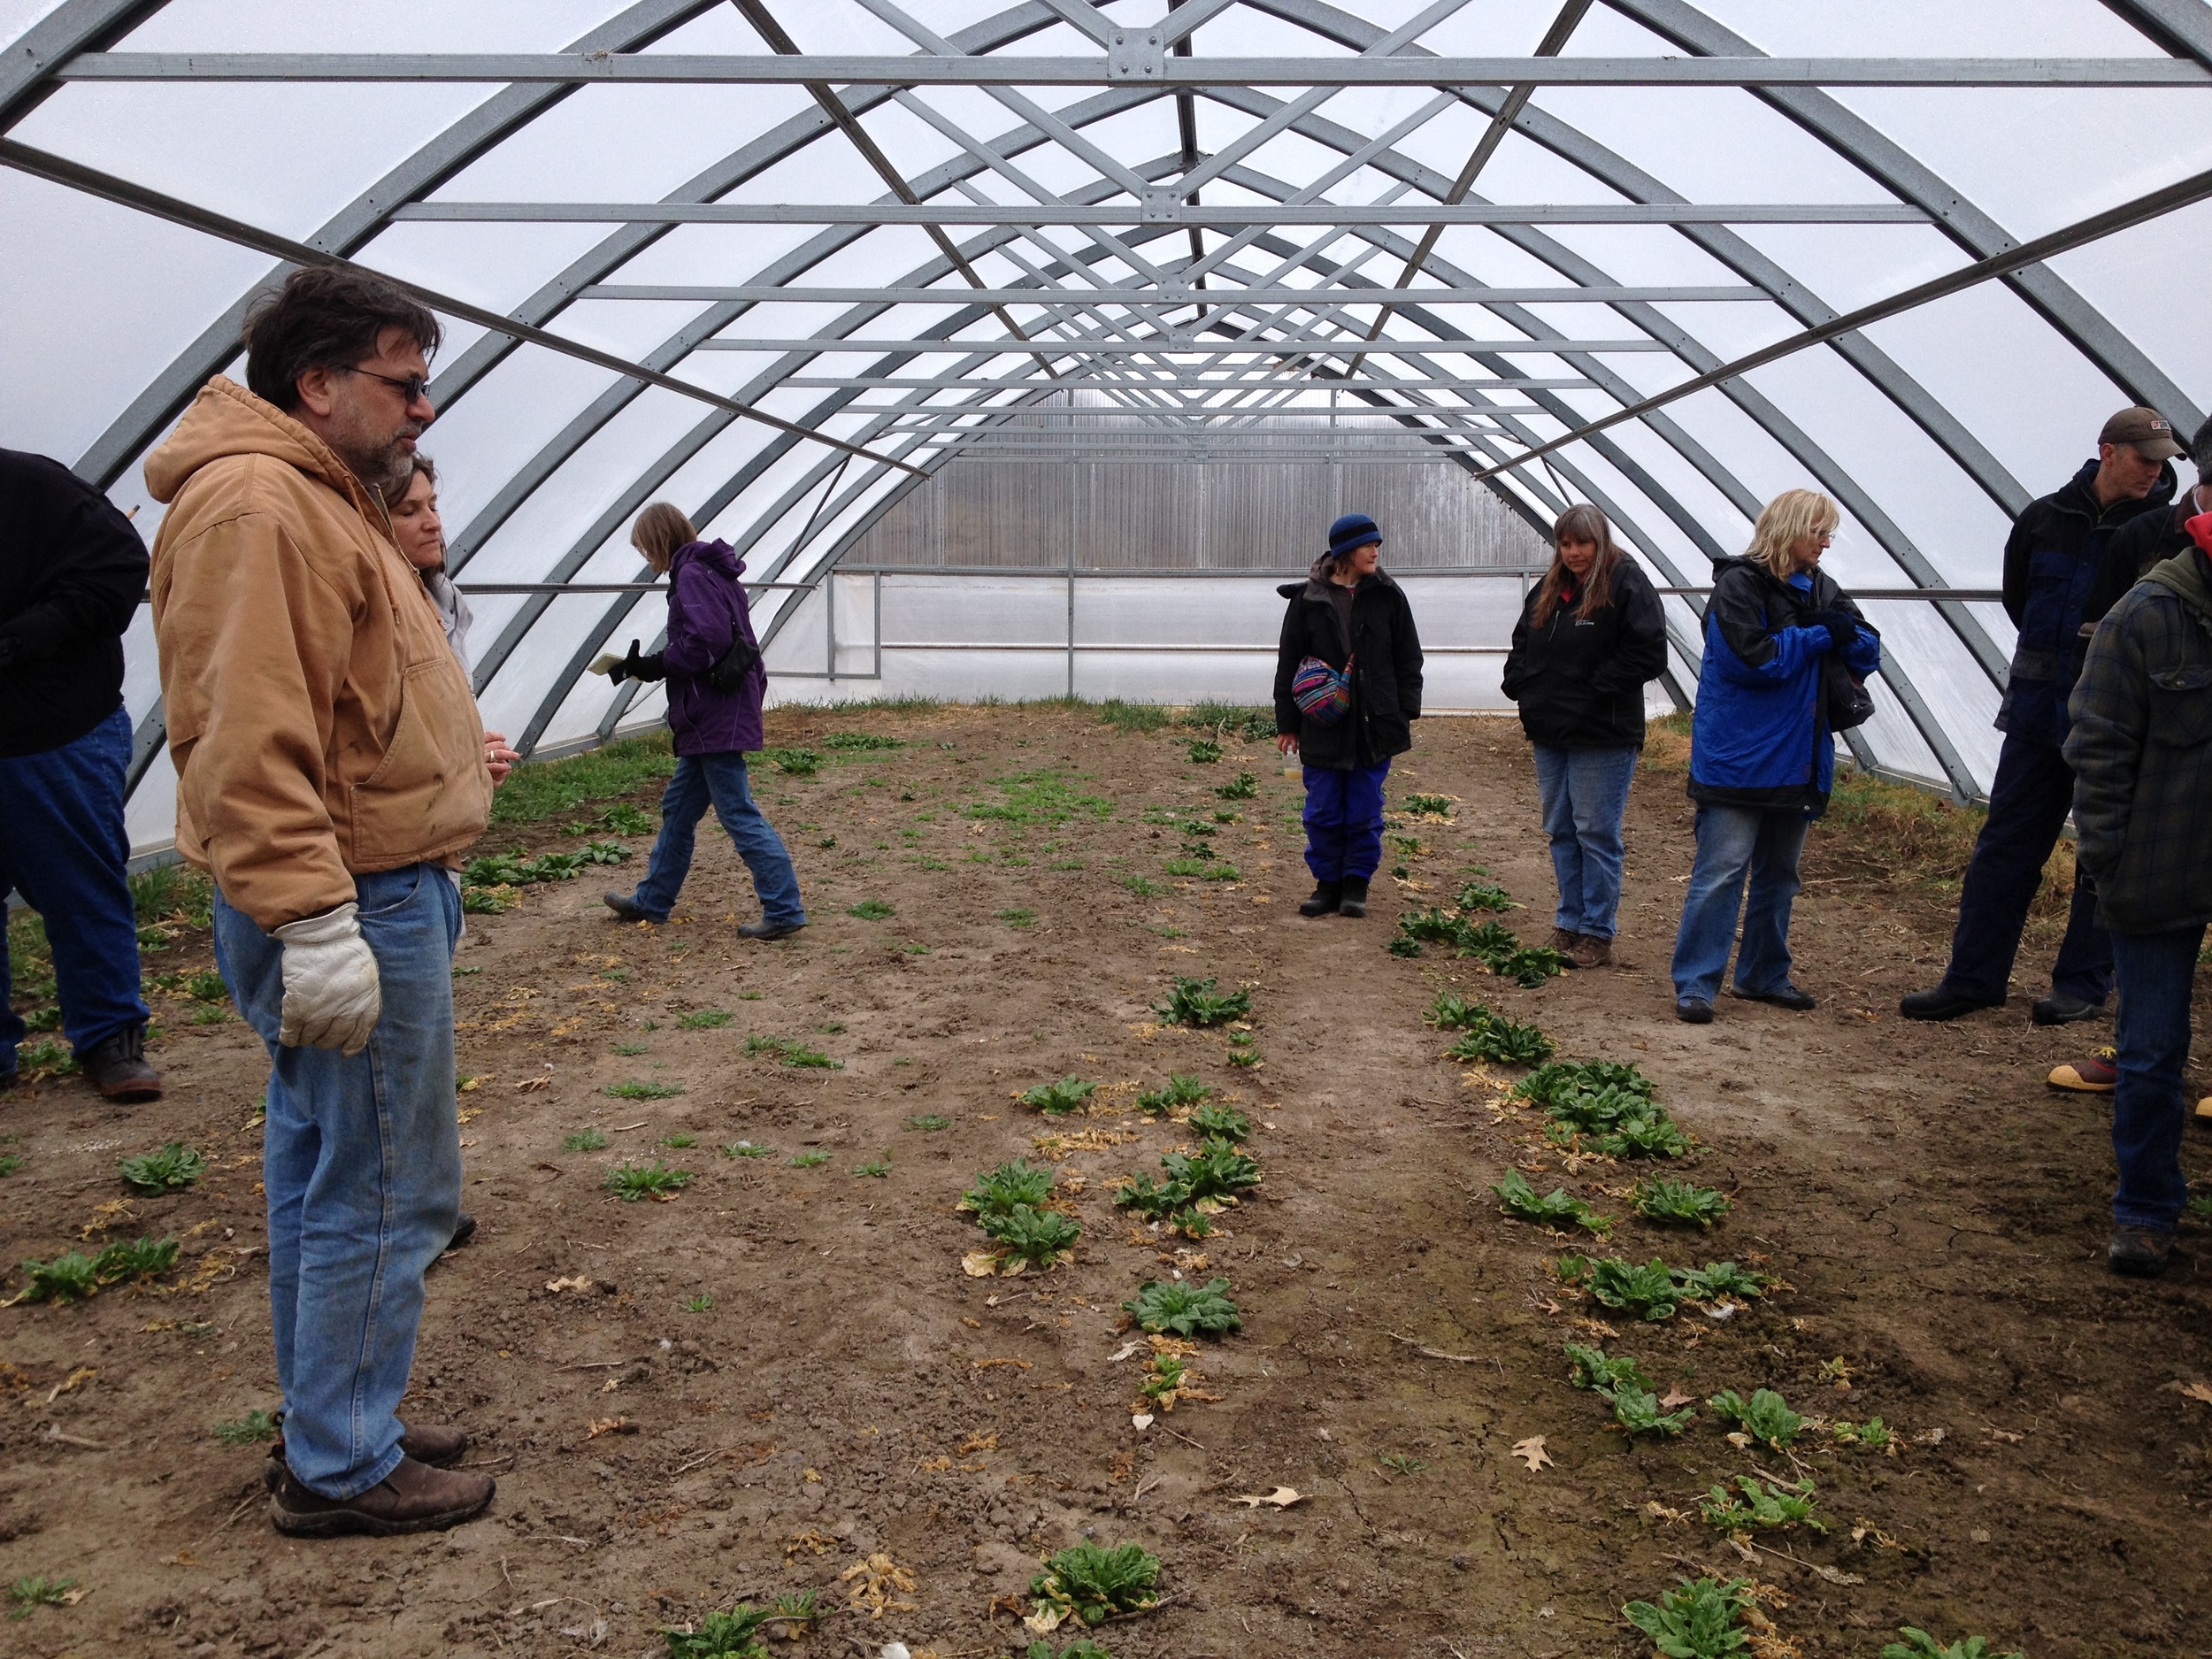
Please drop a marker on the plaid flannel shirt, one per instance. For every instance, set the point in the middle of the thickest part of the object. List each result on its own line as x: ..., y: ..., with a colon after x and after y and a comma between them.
x: 2141, y: 751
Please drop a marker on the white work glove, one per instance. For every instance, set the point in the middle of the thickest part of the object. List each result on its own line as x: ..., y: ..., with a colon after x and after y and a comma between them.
x: 603, y: 664
x: 331, y: 997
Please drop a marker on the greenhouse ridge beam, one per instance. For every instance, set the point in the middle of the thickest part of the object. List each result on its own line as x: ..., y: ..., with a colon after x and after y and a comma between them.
x: 1555, y: 293
x: 1163, y: 71
x: 2182, y: 192
x: 955, y: 383
x: 1270, y: 345
x: 56, y: 170
x: 1158, y: 210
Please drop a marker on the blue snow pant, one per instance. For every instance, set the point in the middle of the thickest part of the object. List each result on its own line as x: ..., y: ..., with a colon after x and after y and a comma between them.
x: 1344, y: 821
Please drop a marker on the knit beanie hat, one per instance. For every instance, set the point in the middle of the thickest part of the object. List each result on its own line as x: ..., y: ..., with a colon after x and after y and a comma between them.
x: 1352, y: 531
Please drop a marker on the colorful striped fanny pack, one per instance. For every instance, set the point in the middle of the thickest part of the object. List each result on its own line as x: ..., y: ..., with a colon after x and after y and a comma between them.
x: 1323, y: 694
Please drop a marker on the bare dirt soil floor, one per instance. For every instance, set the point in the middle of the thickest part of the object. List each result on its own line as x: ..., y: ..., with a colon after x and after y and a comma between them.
x: 804, y: 1376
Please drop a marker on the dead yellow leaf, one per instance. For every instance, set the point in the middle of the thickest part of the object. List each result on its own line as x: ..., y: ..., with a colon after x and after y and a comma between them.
x: 2197, y: 1391
x: 468, y: 1083
x: 611, y: 1426
x: 874, y: 1582
x: 578, y: 1282
x: 979, y: 1264
x: 1675, y: 1397
x: 532, y: 1085
x: 1281, y: 1498
x: 1530, y: 1451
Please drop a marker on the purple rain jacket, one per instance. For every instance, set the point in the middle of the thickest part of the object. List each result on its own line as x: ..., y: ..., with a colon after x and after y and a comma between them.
x: 705, y: 602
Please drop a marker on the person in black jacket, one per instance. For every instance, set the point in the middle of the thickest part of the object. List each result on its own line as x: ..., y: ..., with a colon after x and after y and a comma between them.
x: 2051, y: 561
x: 71, y: 572
x: 1589, y: 637
x: 1348, y: 617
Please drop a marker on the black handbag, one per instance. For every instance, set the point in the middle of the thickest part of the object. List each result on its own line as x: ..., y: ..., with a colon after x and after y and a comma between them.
x: 1845, y: 699
x: 735, y: 666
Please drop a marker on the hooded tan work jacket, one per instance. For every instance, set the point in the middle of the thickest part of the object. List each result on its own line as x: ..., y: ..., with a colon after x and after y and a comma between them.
x: 320, y: 724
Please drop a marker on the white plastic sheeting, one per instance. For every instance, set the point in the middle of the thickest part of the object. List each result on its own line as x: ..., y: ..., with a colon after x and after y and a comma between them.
x: 1931, y: 427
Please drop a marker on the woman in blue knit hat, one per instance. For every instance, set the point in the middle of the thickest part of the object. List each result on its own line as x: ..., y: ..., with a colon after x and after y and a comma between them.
x: 1347, y: 688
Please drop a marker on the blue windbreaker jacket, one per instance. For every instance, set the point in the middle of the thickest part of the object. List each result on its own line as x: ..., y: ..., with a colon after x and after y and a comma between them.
x: 1760, y: 735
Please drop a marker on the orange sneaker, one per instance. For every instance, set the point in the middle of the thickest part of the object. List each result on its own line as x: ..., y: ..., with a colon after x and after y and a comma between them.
x: 2096, y: 1075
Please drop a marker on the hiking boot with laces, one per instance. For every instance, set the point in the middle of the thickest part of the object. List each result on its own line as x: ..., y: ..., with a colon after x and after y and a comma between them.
x: 1590, y: 951
x: 116, y: 1065
x: 2096, y: 1075
x: 439, y: 1445
x: 413, y: 1498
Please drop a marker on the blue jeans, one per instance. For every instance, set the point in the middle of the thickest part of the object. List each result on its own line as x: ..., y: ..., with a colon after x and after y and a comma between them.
x: 1344, y: 821
x: 719, y: 779
x: 2029, y: 799
x: 62, y: 847
x: 362, y: 1161
x: 1731, y: 841
x: 1585, y: 793
x: 2157, y: 974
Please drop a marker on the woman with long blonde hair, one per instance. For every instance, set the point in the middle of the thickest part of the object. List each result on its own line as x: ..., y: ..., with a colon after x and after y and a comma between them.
x: 1762, y: 753
x: 1589, y: 638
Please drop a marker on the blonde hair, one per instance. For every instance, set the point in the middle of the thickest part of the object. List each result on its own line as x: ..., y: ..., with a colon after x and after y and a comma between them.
x: 1790, y: 516
x: 1581, y: 522
x: 659, y: 531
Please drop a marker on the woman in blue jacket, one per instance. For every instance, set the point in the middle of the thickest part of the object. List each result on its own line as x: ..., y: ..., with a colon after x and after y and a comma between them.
x: 1762, y: 752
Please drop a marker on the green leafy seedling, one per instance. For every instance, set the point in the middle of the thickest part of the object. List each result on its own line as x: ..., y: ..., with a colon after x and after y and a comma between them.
x: 872, y: 910
x: 1548, y: 1083
x: 173, y: 1169
x: 808, y: 1160
x: 583, y: 1140
x: 1092, y: 1583
x: 1184, y: 1310
x: 1243, y: 789
x: 1040, y: 1236
x: 1221, y: 1122
x: 628, y: 1048
x: 927, y: 1123
x: 1435, y: 805
x: 1204, y: 752
x: 1056, y: 1100
x: 1653, y: 1136
x: 1484, y: 896
x: 1719, y: 1281
x: 732, y: 1635
x: 700, y: 1303
x: 1873, y: 1433
x: 141, y: 1258
x: 1216, y: 1170
x: 250, y: 1430
x: 630, y: 1182
x: 794, y: 763
x: 1195, y: 1002
x: 1404, y: 947
x: 1766, y: 1416
x: 643, y: 1091
x: 876, y: 1169
x: 1636, y: 1411
x: 1449, y: 1012
x: 679, y: 1142
x: 1679, y: 1202
x: 1764, y: 1503
x: 747, y: 1149
x: 1919, y: 1645
x: 705, y: 1019
x: 1529, y: 966
x: 1701, y: 1620
x: 1594, y: 1368
x: 999, y: 1191
x: 1553, y: 1209
x: 1148, y: 1197
x: 40, y: 1591
x: 69, y: 1277
x: 1508, y: 1043
x: 1017, y: 919
x: 1648, y: 1291
x: 1180, y: 1091
x: 1192, y: 1224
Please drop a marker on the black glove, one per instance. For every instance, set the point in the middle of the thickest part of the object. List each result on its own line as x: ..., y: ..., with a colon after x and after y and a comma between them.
x: 1842, y: 627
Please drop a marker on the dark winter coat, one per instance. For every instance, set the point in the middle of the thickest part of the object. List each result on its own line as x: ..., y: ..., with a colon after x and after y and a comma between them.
x: 1760, y: 734
x: 72, y: 573
x: 2144, y: 540
x: 2051, y: 563
x: 1386, y: 652
x: 706, y: 607
x: 1580, y: 685
x: 2141, y: 745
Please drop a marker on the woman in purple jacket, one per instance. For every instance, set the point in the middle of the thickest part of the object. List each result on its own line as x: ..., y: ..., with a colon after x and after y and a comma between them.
x: 708, y: 621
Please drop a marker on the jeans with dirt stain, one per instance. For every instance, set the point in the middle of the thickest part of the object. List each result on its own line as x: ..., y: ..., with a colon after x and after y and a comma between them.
x: 362, y: 1161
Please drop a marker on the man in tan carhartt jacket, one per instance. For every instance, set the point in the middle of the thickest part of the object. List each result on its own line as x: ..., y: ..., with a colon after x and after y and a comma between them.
x: 330, y: 760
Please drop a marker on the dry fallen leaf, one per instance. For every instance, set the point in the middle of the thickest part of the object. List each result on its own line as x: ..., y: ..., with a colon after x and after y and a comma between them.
x: 2197, y: 1391
x: 579, y: 1282
x: 1532, y: 1452
x: 1141, y: 1420
x: 1675, y: 1397
x: 532, y: 1085
x: 979, y: 1264
x: 611, y: 1426
x: 1281, y: 1498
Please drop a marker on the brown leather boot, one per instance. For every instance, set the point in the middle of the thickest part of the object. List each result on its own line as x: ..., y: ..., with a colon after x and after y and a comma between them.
x: 439, y: 1445
x: 413, y: 1498
x: 1563, y: 939
x: 1591, y: 952
x: 116, y: 1065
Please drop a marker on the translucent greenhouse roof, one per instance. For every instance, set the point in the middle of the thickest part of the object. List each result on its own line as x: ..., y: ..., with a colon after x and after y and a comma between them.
x: 794, y: 268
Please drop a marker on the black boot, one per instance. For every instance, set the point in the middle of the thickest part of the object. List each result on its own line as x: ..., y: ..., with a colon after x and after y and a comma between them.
x: 1354, y: 902
x: 116, y: 1065
x: 1326, y: 895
